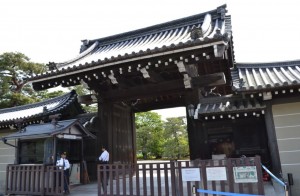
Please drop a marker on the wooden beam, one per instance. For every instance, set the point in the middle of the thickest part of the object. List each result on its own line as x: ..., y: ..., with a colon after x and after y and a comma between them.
x: 209, y: 80
x: 142, y: 91
x: 87, y: 99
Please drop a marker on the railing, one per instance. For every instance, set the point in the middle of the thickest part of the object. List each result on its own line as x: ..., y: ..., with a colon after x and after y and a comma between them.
x: 34, y: 179
x: 280, y: 182
x: 169, y: 178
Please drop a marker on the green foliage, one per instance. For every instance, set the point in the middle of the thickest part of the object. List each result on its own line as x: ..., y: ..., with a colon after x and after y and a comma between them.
x: 43, y: 95
x: 159, y: 139
x: 176, y: 144
x: 80, y: 90
x: 14, y: 90
x: 149, y: 129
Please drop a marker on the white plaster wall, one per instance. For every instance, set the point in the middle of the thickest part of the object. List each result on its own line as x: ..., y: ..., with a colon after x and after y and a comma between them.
x: 287, y: 126
x: 7, y: 156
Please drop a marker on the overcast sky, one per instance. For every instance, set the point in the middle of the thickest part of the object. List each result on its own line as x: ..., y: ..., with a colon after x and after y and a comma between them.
x: 52, y: 30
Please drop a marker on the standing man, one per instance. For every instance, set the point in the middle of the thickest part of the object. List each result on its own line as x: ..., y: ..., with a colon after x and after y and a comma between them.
x: 64, y: 164
x: 104, y: 157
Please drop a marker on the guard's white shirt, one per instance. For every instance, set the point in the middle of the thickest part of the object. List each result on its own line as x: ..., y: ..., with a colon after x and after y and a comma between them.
x: 104, y: 156
x: 60, y: 163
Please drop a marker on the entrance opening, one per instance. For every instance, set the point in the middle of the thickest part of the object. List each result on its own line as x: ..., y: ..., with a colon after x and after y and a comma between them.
x: 162, y: 134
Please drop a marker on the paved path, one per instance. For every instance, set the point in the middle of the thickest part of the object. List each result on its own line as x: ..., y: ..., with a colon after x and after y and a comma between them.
x: 91, y: 190
x: 87, y: 189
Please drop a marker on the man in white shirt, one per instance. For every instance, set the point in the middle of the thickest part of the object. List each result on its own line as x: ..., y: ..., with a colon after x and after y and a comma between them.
x: 64, y: 164
x: 104, y: 157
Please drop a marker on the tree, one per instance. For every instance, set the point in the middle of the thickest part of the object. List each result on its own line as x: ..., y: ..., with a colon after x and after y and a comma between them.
x: 14, y: 90
x: 81, y: 90
x: 176, y: 145
x: 149, y: 132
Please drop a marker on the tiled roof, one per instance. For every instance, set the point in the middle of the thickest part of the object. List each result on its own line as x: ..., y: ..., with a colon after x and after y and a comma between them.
x: 227, y: 105
x: 265, y: 76
x: 37, y: 110
x: 202, y: 30
x: 46, y: 130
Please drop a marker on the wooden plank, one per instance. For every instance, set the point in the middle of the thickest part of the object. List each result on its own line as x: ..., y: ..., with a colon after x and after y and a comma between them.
x: 166, y: 172
x: 215, y: 79
x: 137, y: 171
x: 85, y: 172
x: 179, y: 177
x: 99, y: 180
x: 158, y: 179
x: 151, y: 179
x: 260, y: 187
x: 189, y: 187
x: 204, y: 176
x: 230, y: 175
x: 222, y: 182
x: 124, y: 172
x: 144, y: 179
x: 165, y: 88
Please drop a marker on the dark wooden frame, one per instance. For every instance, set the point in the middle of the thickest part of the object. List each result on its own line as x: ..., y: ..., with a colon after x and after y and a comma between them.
x: 34, y: 180
x: 139, y: 179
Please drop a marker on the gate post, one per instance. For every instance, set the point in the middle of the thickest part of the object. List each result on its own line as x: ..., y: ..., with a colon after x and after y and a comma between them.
x: 174, y: 176
x: 259, y: 175
x: 173, y: 180
x: 43, y: 180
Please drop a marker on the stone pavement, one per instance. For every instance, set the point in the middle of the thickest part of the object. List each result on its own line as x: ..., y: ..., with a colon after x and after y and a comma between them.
x: 92, y: 190
x: 86, y: 189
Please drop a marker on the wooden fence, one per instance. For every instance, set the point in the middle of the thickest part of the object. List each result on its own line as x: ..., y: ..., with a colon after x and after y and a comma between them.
x: 34, y: 179
x: 169, y: 178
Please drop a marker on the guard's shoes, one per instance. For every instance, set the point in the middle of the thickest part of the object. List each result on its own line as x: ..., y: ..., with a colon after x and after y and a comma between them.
x: 66, y: 192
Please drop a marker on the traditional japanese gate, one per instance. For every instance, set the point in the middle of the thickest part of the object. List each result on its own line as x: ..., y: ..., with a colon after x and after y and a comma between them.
x: 173, y: 64
x: 240, y: 175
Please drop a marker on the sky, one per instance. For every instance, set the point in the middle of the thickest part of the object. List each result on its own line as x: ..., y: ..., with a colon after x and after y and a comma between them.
x: 52, y: 30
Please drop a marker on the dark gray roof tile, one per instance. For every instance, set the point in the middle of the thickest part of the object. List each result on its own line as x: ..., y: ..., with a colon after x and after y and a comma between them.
x: 40, y: 109
x: 47, y: 130
x: 262, y: 76
x: 228, y: 105
x: 159, y: 38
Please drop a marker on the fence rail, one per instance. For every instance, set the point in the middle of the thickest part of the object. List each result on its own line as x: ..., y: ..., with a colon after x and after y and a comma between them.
x: 168, y: 178
x: 34, y: 179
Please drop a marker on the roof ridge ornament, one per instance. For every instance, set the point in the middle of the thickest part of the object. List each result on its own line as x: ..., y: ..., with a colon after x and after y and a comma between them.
x: 51, y: 66
x: 222, y: 11
x: 85, y: 45
x: 196, y: 32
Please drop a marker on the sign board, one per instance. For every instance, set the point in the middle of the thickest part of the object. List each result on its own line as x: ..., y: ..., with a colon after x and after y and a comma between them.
x: 71, y: 137
x: 247, y: 174
x: 216, y: 173
x: 190, y: 174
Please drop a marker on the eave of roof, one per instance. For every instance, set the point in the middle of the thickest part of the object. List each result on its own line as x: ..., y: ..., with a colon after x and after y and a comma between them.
x: 158, y: 40
x: 251, y: 77
x: 47, y: 130
x: 35, y: 111
x: 228, y: 107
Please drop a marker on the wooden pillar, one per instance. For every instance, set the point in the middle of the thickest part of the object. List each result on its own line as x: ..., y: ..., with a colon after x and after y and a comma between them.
x: 272, y: 140
x: 104, y: 113
x: 196, y: 138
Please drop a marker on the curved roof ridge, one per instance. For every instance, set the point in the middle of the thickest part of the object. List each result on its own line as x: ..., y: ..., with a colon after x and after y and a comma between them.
x: 268, y: 64
x: 81, y: 55
x: 166, y: 26
x: 36, y: 111
x: 23, y: 107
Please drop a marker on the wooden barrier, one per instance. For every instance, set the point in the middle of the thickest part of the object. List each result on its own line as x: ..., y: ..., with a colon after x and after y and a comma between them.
x: 34, y: 179
x: 166, y: 178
